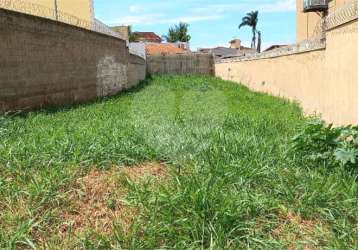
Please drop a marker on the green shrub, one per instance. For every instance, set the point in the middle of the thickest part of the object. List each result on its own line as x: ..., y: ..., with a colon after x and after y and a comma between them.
x: 321, y: 143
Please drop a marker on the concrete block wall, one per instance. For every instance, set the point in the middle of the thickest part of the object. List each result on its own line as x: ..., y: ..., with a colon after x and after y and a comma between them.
x: 137, y: 70
x: 47, y: 63
x: 181, y: 64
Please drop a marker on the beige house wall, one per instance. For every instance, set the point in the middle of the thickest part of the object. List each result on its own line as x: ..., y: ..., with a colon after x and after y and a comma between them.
x: 82, y: 9
x: 334, y: 4
x: 322, y: 81
x: 306, y: 23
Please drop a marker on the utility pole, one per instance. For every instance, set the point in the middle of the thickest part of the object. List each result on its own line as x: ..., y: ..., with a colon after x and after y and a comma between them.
x: 56, y: 10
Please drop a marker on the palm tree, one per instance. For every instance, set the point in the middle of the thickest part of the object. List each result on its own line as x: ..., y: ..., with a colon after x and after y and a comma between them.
x: 178, y: 33
x: 259, y: 41
x: 251, y: 19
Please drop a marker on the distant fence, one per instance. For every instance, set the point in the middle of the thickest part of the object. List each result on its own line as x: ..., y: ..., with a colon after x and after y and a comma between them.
x: 49, y: 13
x: 181, y: 64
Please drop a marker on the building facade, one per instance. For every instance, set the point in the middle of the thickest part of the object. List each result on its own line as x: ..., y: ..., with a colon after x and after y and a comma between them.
x: 147, y: 37
x: 54, y: 9
x: 82, y: 9
x: 309, y: 21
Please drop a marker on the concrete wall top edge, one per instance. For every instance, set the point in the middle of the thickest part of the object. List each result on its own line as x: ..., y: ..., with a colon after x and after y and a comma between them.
x: 60, y: 23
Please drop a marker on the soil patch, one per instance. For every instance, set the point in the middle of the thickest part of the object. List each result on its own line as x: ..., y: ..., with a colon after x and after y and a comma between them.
x: 97, y: 200
x: 293, y: 229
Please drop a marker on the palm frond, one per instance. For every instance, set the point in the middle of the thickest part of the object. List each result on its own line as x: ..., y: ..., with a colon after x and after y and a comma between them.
x: 251, y: 19
x: 244, y: 23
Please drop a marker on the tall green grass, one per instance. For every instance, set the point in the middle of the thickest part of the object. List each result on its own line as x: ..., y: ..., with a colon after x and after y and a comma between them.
x: 233, y: 183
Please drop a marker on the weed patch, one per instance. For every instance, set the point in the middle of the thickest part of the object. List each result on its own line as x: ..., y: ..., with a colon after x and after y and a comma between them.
x: 321, y: 143
x: 230, y: 174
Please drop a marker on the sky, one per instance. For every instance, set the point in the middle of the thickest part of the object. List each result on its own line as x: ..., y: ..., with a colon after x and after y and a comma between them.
x: 212, y: 22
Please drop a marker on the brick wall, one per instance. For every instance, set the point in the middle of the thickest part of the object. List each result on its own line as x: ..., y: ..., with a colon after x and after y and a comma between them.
x: 46, y: 63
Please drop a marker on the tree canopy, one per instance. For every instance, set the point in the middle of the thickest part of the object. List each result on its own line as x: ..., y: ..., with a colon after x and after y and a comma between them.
x: 178, y: 33
x: 131, y: 35
x: 251, y: 19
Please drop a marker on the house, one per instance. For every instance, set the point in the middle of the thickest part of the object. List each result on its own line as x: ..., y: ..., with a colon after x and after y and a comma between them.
x: 82, y: 9
x: 219, y: 52
x: 309, y: 15
x: 235, y: 49
x: 182, y: 45
x: 147, y: 37
x: 236, y: 44
x: 164, y: 49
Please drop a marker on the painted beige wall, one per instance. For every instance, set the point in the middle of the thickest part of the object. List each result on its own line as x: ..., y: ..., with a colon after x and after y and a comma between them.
x: 341, y: 74
x: 82, y: 9
x: 334, y: 4
x: 307, y: 22
x: 322, y: 81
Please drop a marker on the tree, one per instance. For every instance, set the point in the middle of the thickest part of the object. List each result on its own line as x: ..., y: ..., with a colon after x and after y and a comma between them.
x: 259, y: 41
x: 131, y: 35
x: 251, y: 19
x: 178, y: 33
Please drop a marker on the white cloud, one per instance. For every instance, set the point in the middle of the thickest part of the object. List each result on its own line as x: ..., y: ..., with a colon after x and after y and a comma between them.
x: 276, y: 6
x: 138, y: 13
x: 136, y: 8
x: 190, y: 19
x: 279, y: 6
x: 162, y: 19
x: 136, y: 19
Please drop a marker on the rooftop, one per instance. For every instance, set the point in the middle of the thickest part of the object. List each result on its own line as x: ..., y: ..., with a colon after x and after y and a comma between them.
x: 147, y: 37
x: 163, y: 48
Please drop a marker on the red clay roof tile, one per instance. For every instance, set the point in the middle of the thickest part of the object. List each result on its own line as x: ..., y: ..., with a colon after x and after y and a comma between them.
x: 163, y: 48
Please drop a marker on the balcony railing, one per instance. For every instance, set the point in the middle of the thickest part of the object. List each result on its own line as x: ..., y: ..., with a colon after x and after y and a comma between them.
x: 315, y: 5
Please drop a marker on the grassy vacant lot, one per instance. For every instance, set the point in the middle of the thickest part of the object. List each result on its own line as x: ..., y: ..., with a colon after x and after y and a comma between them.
x: 210, y: 170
